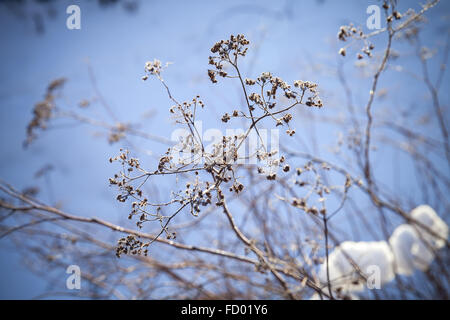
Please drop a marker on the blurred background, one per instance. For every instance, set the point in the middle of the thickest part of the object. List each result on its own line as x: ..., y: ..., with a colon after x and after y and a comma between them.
x: 103, y: 62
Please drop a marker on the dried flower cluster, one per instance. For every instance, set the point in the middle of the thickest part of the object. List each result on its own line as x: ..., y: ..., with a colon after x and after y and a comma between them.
x: 117, y: 133
x: 42, y: 111
x: 351, y: 32
x: 131, y: 245
x: 356, y: 34
x: 317, y: 189
x: 216, y: 166
x: 226, y: 51
x: 154, y: 67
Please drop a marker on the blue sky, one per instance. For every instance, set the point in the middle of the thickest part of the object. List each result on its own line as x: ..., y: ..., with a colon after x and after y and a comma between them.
x: 295, y: 38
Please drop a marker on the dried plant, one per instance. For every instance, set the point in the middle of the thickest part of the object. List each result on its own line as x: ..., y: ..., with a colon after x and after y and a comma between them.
x: 249, y: 224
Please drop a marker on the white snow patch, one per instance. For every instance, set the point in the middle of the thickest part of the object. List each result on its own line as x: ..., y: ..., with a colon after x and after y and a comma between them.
x: 409, y: 248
